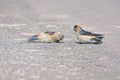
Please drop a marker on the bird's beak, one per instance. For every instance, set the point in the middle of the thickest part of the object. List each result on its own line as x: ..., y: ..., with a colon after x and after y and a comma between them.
x: 74, y: 29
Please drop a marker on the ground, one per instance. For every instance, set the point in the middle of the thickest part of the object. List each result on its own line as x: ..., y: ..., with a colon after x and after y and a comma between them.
x: 68, y: 60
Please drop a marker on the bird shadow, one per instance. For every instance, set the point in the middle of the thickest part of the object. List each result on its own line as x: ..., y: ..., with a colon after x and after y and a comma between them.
x: 88, y: 43
x: 45, y: 42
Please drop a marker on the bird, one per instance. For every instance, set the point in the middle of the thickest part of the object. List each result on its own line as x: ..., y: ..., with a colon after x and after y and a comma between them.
x: 87, y: 37
x: 47, y: 37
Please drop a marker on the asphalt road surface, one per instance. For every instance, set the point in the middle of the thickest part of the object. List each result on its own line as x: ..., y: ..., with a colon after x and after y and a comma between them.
x: 68, y: 60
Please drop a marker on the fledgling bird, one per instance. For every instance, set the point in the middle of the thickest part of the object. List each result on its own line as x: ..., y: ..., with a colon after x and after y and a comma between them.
x: 86, y: 36
x: 47, y: 37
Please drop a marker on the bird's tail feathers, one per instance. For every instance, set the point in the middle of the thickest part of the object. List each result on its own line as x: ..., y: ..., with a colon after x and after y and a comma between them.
x: 33, y: 38
x: 98, y: 40
x: 100, y: 37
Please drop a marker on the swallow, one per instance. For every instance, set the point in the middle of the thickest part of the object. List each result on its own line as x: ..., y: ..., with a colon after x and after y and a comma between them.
x: 86, y: 36
x: 47, y: 37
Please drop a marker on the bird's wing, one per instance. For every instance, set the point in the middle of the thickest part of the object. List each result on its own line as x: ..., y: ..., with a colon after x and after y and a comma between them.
x: 50, y: 33
x: 32, y: 38
x: 83, y: 32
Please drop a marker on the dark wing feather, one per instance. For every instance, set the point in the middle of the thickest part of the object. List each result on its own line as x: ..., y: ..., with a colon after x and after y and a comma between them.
x: 32, y: 38
x: 83, y: 32
x: 50, y: 33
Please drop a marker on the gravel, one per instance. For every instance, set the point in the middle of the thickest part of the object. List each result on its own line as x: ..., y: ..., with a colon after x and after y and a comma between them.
x: 68, y: 60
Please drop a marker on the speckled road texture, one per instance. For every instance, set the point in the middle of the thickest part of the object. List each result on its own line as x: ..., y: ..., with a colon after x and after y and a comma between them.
x: 20, y: 60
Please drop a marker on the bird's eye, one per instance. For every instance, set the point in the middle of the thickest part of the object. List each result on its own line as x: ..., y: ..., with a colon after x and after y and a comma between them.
x: 75, y: 26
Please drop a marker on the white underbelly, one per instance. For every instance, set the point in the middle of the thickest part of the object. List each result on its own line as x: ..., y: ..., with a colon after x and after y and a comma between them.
x: 45, y: 38
x: 84, y: 38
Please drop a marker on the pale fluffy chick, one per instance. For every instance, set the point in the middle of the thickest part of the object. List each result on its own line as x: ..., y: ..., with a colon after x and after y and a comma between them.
x: 47, y: 37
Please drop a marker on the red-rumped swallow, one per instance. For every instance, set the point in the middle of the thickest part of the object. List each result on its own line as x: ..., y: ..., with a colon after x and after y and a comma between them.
x: 47, y: 37
x: 86, y: 36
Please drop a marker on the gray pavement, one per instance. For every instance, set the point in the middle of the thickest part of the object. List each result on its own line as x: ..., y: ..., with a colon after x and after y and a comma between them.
x: 20, y: 60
